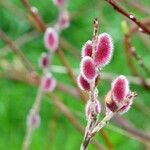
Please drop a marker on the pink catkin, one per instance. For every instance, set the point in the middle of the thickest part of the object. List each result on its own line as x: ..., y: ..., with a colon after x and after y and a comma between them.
x: 63, y: 21
x: 120, y: 88
x: 104, y: 50
x: 44, y: 60
x: 83, y: 83
x: 87, y: 49
x: 51, y: 39
x: 87, y: 68
x: 48, y: 83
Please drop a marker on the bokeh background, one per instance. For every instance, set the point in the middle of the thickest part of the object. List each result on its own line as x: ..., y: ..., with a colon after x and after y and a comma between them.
x: 56, y: 132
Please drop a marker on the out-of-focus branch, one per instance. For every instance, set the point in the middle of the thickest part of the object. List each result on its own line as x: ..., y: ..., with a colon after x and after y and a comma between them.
x: 34, y: 13
x: 131, y: 51
x: 137, y: 5
x: 16, y: 50
x: 127, y: 126
x: 119, y: 9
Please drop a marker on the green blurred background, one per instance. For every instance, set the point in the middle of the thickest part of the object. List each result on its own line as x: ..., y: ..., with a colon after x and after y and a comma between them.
x: 16, y: 98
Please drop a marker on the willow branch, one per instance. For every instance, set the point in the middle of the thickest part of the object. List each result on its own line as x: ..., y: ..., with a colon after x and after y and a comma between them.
x: 119, y: 9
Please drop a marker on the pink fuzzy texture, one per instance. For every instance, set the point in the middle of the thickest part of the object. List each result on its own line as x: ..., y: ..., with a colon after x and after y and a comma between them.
x: 48, y: 83
x: 59, y: 3
x: 63, y: 21
x: 44, y: 60
x: 120, y: 88
x: 87, y: 49
x: 88, y: 69
x: 83, y: 83
x: 51, y: 39
x: 104, y: 50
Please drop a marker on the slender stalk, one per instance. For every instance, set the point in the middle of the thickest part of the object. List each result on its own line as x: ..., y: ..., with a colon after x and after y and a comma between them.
x: 97, y: 128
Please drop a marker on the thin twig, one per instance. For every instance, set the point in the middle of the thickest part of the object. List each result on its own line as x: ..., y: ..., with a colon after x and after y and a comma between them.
x: 34, y: 13
x: 129, y: 16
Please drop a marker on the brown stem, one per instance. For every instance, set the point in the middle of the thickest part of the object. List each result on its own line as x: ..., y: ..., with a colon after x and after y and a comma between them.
x: 129, y: 16
x: 37, y: 18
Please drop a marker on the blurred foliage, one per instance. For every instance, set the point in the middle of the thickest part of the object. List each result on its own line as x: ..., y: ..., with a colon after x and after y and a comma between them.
x: 16, y: 98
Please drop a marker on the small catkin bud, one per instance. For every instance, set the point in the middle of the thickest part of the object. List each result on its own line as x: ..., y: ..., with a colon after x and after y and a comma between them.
x: 51, y: 39
x: 87, y: 49
x: 33, y: 120
x: 59, y: 3
x: 83, y: 83
x: 104, y: 50
x: 88, y: 69
x: 120, y: 88
x: 119, y: 99
x: 92, y: 109
x: 63, y: 21
x: 44, y: 61
x: 48, y: 83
